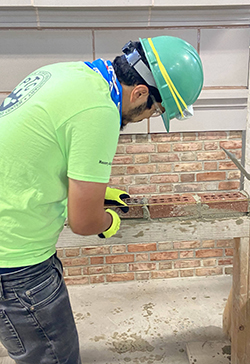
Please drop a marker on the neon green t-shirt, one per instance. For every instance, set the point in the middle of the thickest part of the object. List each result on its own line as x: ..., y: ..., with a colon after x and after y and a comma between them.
x: 57, y: 123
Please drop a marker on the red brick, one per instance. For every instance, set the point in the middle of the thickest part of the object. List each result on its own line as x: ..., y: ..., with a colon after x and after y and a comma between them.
x: 210, y: 156
x: 187, y: 263
x: 72, y: 252
x: 142, y: 266
x: 229, y: 252
x: 227, y: 165
x: 125, y: 138
x: 188, y: 167
x: 126, y: 258
x: 76, y: 280
x: 123, y: 159
x: 189, y: 136
x: 141, y: 158
x: 210, y: 135
x: 142, y: 276
x: 141, y: 257
x: 234, y: 134
x: 210, y: 166
x: 99, y: 270
x: 187, y: 273
x: 140, y: 190
x: 209, y: 253
x: 229, y: 185
x: 186, y: 254
x: 59, y: 253
x: 234, y: 175
x: 121, y: 180
x: 185, y: 187
x: 169, y: 178
x: 210, y: 145
x: 208, y: 244
x: 211, y: 176
x: 120, y: 268
x: 181, y: 147
x: 163, y: 148
x: 141, y: 180
x: 165, y: 265
x: 164, y: 274
x: 188, y: 156
x: 118, y: 170
x: 165, y: 245
x: 166, y: 188
x: 229, y: 270
x: 97, y: 279
x: 225, y: 243
x: 97, y: 250
x: 231, y: 144
x: 187, y: 244
x: 209, y: 262
x: 120, y: 149
x: 228, y: 261
x: 143, y: 169
x: 141, y: 247
x: 116, y: 249
x: 164, y: 256
x: 142, y: 138
x: 171, y: 157
x: 170, y: 137
x: 142, y: 148
x: 163, y: 168
x: 96, y: 260
x: 208, y: 271
x: 188, y: 177
x: 73, y: 271
x: 74, y: 261
x: 120, y: 277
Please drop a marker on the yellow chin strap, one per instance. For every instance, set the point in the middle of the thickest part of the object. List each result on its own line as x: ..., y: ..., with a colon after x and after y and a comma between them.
x: 168, y: 80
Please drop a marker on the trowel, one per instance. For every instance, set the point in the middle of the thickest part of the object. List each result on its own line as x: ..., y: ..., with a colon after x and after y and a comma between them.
x: 237, y: 163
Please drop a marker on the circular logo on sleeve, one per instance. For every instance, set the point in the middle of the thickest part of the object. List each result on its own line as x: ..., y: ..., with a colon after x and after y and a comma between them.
x: 24, y: 91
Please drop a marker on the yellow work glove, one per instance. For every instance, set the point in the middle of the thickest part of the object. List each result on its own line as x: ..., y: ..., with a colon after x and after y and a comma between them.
x: 115, y: 226
x: 113, y: 197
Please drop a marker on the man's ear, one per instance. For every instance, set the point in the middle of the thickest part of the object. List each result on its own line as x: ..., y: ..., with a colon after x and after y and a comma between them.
x: 139, y: 93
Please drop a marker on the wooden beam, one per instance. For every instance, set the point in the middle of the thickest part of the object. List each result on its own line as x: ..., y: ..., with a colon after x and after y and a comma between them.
x: 227, y: 315
x: 240, y: 330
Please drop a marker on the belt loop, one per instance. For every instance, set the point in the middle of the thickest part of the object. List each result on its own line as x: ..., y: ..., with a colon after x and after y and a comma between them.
x: 1, y: 289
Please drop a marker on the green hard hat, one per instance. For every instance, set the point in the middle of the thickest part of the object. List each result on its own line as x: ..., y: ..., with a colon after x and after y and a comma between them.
x: 177, y: 72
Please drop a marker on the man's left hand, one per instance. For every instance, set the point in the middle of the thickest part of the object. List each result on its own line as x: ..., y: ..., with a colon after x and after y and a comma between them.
x: 114, y: 197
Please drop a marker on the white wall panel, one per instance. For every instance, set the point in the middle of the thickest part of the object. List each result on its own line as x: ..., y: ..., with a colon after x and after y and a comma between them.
x: 205, y: 119
x: 21, y: 52
x: 225, y: 56
x: 108, y: 43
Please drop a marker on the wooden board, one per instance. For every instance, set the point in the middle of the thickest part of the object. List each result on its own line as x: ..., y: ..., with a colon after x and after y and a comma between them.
x: 240, y: 331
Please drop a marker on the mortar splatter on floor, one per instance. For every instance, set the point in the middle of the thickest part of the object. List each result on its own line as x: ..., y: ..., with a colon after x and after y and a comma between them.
x: 148, y: 322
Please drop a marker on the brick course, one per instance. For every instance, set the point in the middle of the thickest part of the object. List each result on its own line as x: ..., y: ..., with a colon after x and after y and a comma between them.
x: 169, y: 259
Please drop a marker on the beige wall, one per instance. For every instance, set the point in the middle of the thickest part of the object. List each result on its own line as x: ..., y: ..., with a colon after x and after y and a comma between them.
x: 48, y: 31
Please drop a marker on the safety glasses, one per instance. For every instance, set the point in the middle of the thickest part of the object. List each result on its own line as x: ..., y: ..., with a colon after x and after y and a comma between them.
x: 158, y: 111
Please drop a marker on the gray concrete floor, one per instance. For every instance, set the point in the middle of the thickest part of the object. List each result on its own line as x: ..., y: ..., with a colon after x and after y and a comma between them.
x: 147, y: 322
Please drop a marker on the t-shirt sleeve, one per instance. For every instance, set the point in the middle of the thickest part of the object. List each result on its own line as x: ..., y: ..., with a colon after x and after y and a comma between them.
x: 91, y: 139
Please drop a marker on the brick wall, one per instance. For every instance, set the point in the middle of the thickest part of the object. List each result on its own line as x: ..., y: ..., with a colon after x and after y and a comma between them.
x: 154, y: 164
x: 156, y: 260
